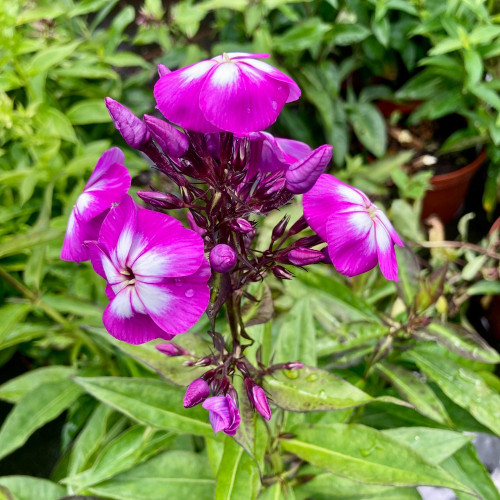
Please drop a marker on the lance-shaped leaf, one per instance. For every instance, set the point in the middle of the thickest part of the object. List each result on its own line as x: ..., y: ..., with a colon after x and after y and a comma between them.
x: 148, y: 401
x: 238, y: 476
x: 173, y: 474
x: 366, y: 455
x: 430, y: 289
x: 460, y: 340
x: 462, y: 386
x: 313, y: 389
x: 26, y: 488
x: 415, y: 391
x: 260, y: 310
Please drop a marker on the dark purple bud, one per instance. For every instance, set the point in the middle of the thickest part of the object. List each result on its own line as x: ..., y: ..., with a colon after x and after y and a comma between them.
x: 258, y: 398
x: 242, y: 226
x: 163, y: 70
x: 173, y: 142
x: 132, y: 129
x: 196, y: 393
x: 199, y: 219
x: 222, y: 258
x: 161, y: 200
x: 279, y: 229
x: 194, y: 226
x: 282, y: 273
x: 172, y: 350
x: 298, y: 226
x: 303, y: 174
x: 304, y: 256
x: 186, y: 194
x: 326, y: 256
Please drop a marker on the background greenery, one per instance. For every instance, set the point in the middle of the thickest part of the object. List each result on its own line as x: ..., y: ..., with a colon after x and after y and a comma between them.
x: 401, y: 365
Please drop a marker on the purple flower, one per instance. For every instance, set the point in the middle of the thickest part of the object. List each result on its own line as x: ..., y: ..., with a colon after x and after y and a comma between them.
x: 232, y: 92
x: 156, y: 273
x: 357, y: 232
x: 197, y: 391
x: 258, y: 398
x: 222, y: 258
x: 224, y: 415
x: 304, y: 256
x: 109, y: 181
x: 132, y: 129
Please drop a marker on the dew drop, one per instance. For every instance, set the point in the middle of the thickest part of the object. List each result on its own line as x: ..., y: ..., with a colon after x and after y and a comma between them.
x: 291, y: 374
x: 249, y: 110
x: 322, y: 394
x: 312, y: 377
x: 274, y: 104
x: 178, y: 281
x: 189, y: 293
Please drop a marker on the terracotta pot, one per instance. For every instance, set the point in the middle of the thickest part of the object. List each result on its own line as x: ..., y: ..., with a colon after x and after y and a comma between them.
x: 448, y: 191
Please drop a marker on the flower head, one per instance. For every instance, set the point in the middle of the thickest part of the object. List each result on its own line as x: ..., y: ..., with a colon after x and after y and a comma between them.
x: 224, y: 415
x: 357, y: 232
x: 232, y: 92
x: 156, y: 273
x: 109, y: 181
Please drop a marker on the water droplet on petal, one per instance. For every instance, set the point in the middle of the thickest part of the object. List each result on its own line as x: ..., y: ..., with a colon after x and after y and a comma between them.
x: 274, y: 104
x: 178, y: 281
x: 189, y: 293
x: 249, y: 110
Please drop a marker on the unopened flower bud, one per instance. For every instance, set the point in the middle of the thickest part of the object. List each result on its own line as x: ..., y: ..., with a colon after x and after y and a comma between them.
x: 280, y: 228
x: 298, y: 226
x: 242, y: 226
x: 161, y: 200
x: 199, y: 219
x: 172, y: 349
x: 303, y: 174
x: 222, y: 258
x: 173, y: 142
x: 196, y: 393
x: 258, y: 398
x: 282, y: 273
x: 304, y: 256
x: 194, y: 226
x: 293, y: 365
x: 131, y: 128
x: 163, y: 70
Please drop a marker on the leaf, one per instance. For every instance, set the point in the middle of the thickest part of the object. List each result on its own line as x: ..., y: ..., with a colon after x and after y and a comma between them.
x: 10, y: 316
x: 369, y: 127
x: 348, y: 34
x: 176, y: 474
x: 436, y: 445
x: 297, y: 336
x: 45, y: 59
x: 419, y: 394
x: 256, y: 313
x: 55, y: 124
x: 366, y: 455
x: 18, y: 243
x: 15, y: 389
x: 31, y: 15
x: 473, y: 66
x: 88, y: 112
x: 238, y: 477
x: 149, y: 402
x: 302, y: 36
x: 312, y: 389
x: 461, y: 341
x: 126, y: 59
x: 484, y: 287
x: 462, y: 386
x: 29, y: 488
x: 35, y: 409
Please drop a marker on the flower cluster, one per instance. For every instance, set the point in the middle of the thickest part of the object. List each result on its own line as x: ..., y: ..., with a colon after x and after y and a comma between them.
x: 222, y: 171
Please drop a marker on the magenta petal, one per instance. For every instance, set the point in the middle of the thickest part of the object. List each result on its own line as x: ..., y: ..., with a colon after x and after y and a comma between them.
x: 178, y: 96
x: 351, y: 242
x: 389, y: 227
x: 293, y: 149
x: 241, y: 100
x: 173, y: 142
x: 75, y: 248
x: 386, y: 254
x: 219, y: 412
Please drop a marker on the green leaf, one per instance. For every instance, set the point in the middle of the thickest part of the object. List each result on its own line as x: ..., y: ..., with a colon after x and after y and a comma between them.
x: 312, y: 389
x: 51, y: 56
x: 464, y: 387
x: 150, y: 402
x: 35, y: 409
x: 416, y: 392
x: 349, y: 34
x: 55, y: 124
x: 177, y: 474
x: 125, y: 59
x: 238, y: 476
x: 31, y: 15
x: 87, y: 112
x: 366, y: 455
x: 488, y: 95
x: 15, y: 389
x: 369, y: 127
x: 18, y: 243
x: 484, y: 287
x: 11, y: 315
x: 473, y: 66
x: 260, y: 311
x: 302, y: 36
x: 461, y: 341
x: 436, y: 445
x: 29, y: 488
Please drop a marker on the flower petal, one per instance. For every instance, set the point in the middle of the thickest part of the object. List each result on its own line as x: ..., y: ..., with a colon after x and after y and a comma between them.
x: 241, y: 99
x: 386, y: 254
x: 178, y: 96
x: 390, y: 228
x: 77, y: 233
x: 295, y: 150
x: 351, y: 242
x: 303, y: 174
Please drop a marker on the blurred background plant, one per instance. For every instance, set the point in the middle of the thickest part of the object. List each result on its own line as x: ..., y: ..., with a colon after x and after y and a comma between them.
x: 371, y: 72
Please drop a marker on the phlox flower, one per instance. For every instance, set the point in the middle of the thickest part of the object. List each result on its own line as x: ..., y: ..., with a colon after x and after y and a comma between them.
x: 109, y: 181
x: 232, y: 92
x: 223, y: 414
x: 358, y: 233
x: 156, y: 273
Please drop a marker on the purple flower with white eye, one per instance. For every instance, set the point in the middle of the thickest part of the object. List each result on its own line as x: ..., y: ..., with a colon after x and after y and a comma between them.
x: 233, y: 92
x: 357, y: 232
x: 109, y: 181
x: 156, y: 274
x: 224, y: 415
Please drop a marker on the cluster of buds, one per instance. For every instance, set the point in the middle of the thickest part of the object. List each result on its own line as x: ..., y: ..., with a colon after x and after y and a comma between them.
x: 227, y: 172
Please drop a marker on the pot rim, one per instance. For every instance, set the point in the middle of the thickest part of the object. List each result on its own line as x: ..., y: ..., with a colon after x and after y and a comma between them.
x: 461, y: 172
